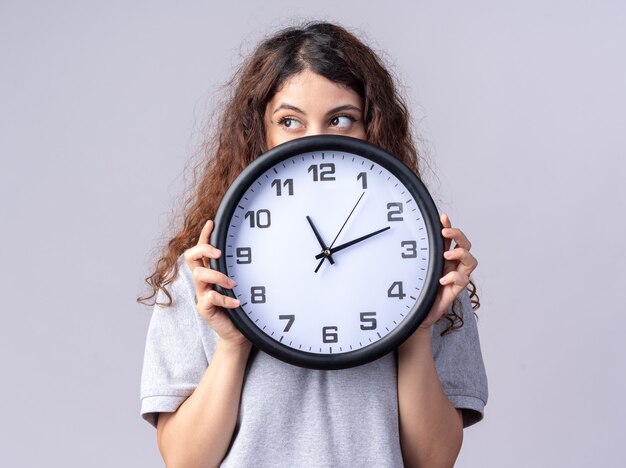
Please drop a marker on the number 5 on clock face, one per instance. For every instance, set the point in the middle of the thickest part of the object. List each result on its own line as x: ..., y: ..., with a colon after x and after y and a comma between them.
x: 332, y: 253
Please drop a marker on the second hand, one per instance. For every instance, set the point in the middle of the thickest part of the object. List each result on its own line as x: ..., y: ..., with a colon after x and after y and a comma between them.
x: 337, y: 236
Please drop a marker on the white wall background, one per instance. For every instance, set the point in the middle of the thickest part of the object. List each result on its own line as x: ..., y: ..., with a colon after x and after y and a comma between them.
x: 521, y: 106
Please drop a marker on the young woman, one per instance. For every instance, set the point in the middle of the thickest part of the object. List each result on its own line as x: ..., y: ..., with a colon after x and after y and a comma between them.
x: 215, y: 400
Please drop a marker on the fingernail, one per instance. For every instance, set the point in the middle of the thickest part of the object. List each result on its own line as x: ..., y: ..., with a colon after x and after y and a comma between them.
x: 217, y: 251
x: 231, y: 283
x: 447, y: 254
x: 446, y: 231
x: 235, y: 302
x: 442, y: 281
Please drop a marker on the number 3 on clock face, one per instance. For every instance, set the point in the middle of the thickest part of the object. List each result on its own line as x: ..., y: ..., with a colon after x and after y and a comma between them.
x: 335, y: 247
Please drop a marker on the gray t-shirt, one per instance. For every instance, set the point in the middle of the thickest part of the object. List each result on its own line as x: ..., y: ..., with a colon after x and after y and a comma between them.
x: 295, y: 417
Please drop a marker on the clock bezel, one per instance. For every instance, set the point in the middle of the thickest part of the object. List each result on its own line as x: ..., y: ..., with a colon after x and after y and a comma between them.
x: 417, y: 313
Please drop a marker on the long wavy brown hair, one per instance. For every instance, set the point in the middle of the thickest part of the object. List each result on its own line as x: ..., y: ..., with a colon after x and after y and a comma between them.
x: 323, y: 48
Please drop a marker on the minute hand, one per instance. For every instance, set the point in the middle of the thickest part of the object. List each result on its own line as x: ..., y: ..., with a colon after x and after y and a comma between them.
x: 352, y: 242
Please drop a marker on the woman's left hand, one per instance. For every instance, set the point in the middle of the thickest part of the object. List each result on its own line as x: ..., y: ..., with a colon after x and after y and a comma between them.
x: 458, y: 265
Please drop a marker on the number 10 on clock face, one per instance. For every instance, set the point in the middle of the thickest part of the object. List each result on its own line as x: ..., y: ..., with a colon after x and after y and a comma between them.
x: 330, y: 252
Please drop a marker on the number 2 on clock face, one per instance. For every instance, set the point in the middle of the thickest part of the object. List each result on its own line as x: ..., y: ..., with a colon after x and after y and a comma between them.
x: 372, y: 284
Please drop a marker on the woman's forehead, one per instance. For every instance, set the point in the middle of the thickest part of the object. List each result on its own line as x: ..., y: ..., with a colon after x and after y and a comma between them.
x: 308, y: 89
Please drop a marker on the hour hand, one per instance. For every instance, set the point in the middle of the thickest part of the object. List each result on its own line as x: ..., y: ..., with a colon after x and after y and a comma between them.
x: 352, y: 242
x: 321, y: 242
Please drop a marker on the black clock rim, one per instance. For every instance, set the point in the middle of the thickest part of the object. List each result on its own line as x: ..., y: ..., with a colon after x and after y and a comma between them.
x: 416, y: 314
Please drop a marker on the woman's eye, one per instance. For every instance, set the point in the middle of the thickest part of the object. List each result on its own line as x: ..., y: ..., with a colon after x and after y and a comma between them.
x: 290, y: 123
x: 342, y: 121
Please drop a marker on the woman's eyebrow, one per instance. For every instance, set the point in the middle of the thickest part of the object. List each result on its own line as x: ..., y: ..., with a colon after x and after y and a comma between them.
x: 330, y: 112
x: 343, y: 108
x: 289, y: 107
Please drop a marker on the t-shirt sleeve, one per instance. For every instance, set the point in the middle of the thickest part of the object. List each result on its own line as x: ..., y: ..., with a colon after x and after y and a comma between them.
x: 175, y: 356
x: 459, y: 363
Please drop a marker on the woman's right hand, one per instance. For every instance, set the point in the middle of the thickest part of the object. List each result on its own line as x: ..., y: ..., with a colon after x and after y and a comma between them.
x: 210, y: 303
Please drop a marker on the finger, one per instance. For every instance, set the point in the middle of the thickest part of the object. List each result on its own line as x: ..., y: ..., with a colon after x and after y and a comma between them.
x: 205, y: 276
x: 206, y: 232
x: 204, y: 238
x: 467, y: 262
x: 445, y: 221
x: 455, y: 278
x: 195, y: 256
x: 214, y: 299
x: 197, y: 252
x: 207, y: 310
x: 456, y: 235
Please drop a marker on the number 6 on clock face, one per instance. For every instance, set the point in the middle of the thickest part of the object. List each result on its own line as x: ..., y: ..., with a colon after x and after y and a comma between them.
x: 336, y: 250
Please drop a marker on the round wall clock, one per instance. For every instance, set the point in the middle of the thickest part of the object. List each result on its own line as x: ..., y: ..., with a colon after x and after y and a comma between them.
x: 336, y: 249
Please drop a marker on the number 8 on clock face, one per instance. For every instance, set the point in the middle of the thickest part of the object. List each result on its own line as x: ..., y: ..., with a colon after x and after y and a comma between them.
x: 336, y: 250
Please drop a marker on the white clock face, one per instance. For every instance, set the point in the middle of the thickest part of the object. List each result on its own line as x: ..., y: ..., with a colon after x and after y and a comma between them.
x: 307, y: 303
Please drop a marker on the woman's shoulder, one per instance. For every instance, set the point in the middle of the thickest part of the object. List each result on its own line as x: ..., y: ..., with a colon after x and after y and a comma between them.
x: 182, y: 285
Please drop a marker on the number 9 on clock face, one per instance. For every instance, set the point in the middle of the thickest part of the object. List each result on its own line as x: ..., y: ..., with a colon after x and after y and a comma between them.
x: 336, y: 250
